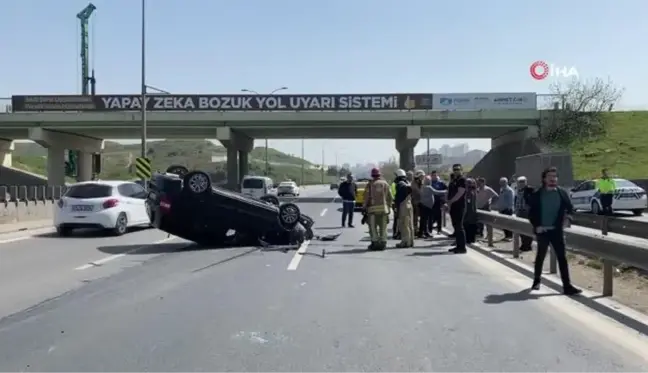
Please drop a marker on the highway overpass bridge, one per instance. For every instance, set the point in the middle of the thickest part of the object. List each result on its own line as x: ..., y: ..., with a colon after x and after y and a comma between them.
x: 82, y: 122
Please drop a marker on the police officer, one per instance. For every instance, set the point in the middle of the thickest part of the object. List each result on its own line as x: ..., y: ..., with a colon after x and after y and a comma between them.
x: 606, y: 187
x: 456, y: 205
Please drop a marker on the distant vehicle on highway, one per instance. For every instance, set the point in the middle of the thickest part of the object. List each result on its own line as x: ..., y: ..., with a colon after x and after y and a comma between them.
x: 288, y: 188
x: 361, y: 184
x: 628, y: 196
x: 111, y: 205
x: 256, y: 186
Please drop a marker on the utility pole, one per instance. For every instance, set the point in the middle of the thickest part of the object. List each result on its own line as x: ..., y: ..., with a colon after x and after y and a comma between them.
x: 303, y: 160
x: 267, y: 163
x: 428, y: 156
x: 323, y: 157
x: 143, y: 72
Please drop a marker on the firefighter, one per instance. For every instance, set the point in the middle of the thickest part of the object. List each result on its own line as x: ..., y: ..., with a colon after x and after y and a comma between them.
x: 377, y: 205
x: 403, y: 203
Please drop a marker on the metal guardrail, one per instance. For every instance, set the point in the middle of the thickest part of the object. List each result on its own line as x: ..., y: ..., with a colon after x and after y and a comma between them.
x: 631, y: 251
x: 611, y: 224
x: 14, y: 193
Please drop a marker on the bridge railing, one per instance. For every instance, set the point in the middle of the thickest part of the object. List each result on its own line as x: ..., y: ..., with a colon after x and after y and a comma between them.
x: 631, y: 251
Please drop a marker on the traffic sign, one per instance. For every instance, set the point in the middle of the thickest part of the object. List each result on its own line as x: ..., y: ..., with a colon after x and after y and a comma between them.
x: 431, y: 159
x: 143, y: 168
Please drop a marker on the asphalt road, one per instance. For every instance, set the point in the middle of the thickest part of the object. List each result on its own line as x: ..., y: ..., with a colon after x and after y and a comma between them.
x: 171, y: 307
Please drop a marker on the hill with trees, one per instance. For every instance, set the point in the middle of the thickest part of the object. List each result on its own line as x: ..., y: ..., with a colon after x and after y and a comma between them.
x: 194, y: 154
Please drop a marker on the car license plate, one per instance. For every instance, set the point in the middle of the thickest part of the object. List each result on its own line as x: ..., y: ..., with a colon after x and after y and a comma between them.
x: 83, y: 208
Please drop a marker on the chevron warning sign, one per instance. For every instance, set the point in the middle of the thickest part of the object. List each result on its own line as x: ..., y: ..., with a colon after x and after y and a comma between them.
x: 143, y: 168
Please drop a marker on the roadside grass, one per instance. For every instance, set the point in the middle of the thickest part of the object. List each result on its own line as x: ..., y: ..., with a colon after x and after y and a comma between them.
x: 624, y: 149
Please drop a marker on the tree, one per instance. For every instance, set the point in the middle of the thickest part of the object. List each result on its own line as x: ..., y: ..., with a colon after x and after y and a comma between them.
x: 332, y: 171
x: 388, y: 169
x: 583, y: 110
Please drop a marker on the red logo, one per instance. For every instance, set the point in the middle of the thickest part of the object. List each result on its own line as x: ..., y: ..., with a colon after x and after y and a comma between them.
x: 539, y: 70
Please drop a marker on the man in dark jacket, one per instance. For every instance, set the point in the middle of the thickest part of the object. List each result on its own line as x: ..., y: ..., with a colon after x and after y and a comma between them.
x: 549, y: 207
x: 347, y: 191
x: 437, y: 214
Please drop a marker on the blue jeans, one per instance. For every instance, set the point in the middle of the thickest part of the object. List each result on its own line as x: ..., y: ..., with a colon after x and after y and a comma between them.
x: 348, y: 208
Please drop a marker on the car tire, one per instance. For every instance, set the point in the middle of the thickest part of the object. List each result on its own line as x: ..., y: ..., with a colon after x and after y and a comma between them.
x: 595, y: 208
x: 638, y: 212
x: 63, y: 231
x: 271, y: 199
x: 177, y: 170
x: 121, y: 225
x: 197, y: 182
x: 289, y: 215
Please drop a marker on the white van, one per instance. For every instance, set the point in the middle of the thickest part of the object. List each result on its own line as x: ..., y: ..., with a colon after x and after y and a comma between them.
x: 256, y: 186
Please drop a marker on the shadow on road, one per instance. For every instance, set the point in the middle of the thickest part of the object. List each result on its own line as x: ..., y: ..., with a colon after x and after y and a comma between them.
x: 160, y: 248
x: 88, y: 233
x: 522, y: 295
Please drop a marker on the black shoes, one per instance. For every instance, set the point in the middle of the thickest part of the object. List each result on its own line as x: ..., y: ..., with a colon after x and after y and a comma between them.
x: 456, y: 250
x: 567, y: 290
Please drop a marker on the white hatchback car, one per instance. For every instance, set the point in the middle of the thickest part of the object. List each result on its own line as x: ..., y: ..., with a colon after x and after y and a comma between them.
x: 111, y: 205
x: 628, y: 196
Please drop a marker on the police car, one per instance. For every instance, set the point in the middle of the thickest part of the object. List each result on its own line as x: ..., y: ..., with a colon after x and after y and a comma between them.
x: 628, y: 196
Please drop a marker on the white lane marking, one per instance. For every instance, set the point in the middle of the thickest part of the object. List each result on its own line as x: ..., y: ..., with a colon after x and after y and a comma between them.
x: 294, y: 263
x: 16, y: 239
x: 107, y: 259
x: 590, y: 320
x: 323, y: 212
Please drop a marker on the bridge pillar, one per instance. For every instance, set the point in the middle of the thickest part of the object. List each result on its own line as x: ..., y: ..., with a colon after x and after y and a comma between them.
x: 84, y: 167
x: 6, y: 150
x: 238, y: 147
x: 56, y: 143
x: 55, y: 165
x: 516, y: 136
x: 405, y: 144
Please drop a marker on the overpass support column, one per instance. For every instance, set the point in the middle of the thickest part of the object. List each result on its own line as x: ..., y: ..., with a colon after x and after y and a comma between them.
x: 6, y: 150
x: 55, y: 166
x: 56, y: 142
x: 517, y: 136
x: 84, y: 167
x: 405, y: 144
x: 238, y: 147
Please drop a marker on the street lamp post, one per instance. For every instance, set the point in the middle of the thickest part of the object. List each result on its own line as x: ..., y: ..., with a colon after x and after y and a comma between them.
x: 267, y: 164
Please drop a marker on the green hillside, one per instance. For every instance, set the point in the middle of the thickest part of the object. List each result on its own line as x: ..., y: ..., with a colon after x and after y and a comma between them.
x: 194, y: 154
x: 623, y: 148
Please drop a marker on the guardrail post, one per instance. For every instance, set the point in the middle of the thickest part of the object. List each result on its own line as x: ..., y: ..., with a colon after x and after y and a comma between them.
x: 489, y: 236
x: 608, y: 278
x: 516, y: 245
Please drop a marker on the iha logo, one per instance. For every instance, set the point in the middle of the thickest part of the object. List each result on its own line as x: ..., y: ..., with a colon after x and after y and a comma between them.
x: 541, y: 70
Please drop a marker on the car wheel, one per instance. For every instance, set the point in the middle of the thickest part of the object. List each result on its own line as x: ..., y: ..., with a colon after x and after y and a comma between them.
x: 121, y: 226
x: 178, y: 170
x: 289, y: 215
x: 63, y: 231
x: 596, y: 208
x: 271, y: 200
x: 638, y: 212
x: 197, y: 182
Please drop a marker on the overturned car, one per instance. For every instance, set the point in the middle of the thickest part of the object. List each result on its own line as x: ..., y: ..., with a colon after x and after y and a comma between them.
x: 185, y: 204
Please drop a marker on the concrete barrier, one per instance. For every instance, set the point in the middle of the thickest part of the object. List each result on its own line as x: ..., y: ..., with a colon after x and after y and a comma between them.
x: 28, y: 203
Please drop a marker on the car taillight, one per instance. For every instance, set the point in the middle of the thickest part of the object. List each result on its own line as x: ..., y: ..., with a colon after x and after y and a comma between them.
x: 60, y: 203
x: 110, y: 203
x: 165, y: 204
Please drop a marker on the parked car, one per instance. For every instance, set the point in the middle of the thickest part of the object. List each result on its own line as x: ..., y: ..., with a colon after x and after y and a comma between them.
x: 111, y: 205
x: 192, y: 208
x: 628, y: 196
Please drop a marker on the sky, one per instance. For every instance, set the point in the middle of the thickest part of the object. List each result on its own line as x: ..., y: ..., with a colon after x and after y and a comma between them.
x: 332, y: 46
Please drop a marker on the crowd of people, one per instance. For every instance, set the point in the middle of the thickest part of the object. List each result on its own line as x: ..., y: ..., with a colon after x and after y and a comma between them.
x: 419, y: 202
